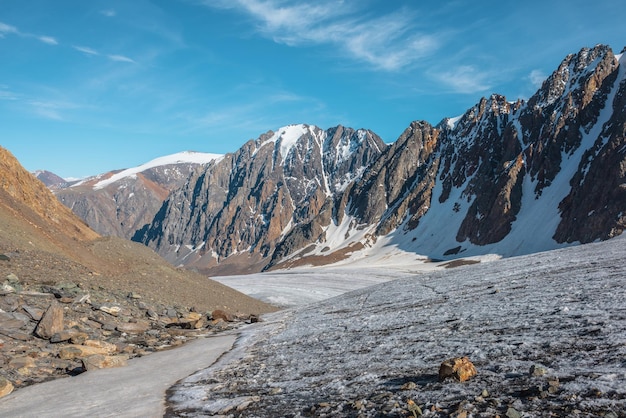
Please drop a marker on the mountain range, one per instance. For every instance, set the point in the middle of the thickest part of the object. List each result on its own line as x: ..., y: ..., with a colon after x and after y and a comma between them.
x: 506, y: 177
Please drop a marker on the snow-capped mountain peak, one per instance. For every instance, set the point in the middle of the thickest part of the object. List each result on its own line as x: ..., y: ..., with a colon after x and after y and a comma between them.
x: 189, y: 157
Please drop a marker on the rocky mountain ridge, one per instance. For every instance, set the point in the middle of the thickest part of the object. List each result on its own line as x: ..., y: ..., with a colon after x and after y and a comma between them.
x: 120, y: 202
x: 506, y: 177
x: 235, y: 211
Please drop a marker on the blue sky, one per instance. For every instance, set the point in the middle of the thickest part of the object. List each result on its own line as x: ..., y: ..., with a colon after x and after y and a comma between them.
x: 90, y: 86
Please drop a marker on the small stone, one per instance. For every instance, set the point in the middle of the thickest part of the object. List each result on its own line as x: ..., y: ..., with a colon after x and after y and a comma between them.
x: 79, y: 338
x: 6, y: 387
x: 22, y: 362
x: 107, y: 347
x: 100, y: 361
x: 69, y: 353
x: 536, y: 370
x: 62, y: 336
x: 4, y: 257
x: 484, y: 393
x: 51, y: 322
x: 513, y: 413
x: 111, y: 310
x: 460, y: 368
x: 408, y: 386
x: 7, y: 288
x: 133, y: 327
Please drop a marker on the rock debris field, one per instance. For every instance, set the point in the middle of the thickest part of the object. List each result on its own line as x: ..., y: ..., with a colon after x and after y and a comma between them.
x: 546, y: 333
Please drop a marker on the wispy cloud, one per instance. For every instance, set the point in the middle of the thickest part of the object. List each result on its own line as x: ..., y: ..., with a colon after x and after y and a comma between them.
x: 6, y: 93
x: 537, y: 78
x: 120, y: 58
x: 52, y: 109
x: 389, y: 42
x: 108, y: 12
x: 85, y: 50
x: 464, y: 79
x: 6, y: 29
x: 48, y: 40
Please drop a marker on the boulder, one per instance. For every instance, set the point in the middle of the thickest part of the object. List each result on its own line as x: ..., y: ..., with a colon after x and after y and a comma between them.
x: 51, y: 322
x: 459, y: 368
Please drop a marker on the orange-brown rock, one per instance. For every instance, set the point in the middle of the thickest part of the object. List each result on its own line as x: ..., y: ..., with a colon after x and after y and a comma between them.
x: 220, y: 314
x: 6, y: 387
x: 460, y: 368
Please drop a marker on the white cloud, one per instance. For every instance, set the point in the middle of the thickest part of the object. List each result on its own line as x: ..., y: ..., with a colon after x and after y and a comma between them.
x: 464, y: 79
x: 6, y: 93
x: 7, y: 29
x: 537, y: 78
x: 108, y: 13
x: 120, y: 58
x: 51, y: 109
x: 389, y: 42
x: 48, y: 40
x: 85, y: 50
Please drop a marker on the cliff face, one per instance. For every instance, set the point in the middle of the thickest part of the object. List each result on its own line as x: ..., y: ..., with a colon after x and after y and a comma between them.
x: 236, y: 211
x: 505, y: 177
x: 509, y: 177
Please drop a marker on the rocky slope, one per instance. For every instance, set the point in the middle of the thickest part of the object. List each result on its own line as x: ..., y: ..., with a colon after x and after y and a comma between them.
x: 68, y: 294
x: 120, y: 202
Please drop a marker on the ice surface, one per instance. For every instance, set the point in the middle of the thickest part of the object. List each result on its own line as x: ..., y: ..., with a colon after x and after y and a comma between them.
x: 562, y: 310
x: 137, y: 390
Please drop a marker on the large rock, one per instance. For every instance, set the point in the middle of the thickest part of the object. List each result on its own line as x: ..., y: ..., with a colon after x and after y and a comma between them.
x: 459, y: 368
x: 51, y: 322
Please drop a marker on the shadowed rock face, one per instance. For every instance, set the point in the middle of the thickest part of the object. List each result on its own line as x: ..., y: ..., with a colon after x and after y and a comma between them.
x: 284, y: 195
x: 250, y: 200
x: 496, y: 146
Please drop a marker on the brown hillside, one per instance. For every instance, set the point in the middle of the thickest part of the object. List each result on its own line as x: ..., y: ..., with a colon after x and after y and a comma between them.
x: 48, y: 244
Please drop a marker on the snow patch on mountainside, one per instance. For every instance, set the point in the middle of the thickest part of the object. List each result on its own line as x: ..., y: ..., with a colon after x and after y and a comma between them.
x: 287, y: 137
x: 189, y: 157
